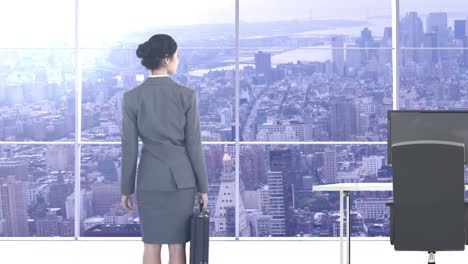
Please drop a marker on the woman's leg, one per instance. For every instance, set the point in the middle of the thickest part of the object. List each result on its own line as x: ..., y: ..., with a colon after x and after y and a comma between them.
x: 152, y: 253
x: 177, y: 254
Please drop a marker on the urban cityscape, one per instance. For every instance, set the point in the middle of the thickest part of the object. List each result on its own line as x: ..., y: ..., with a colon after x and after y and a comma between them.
x: 297, y: 84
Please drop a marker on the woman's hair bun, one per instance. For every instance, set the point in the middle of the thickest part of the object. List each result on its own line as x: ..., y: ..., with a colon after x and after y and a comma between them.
x: 143, y: 50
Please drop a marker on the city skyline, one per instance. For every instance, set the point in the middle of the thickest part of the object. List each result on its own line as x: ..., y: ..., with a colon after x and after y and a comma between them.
x: 342, y: 98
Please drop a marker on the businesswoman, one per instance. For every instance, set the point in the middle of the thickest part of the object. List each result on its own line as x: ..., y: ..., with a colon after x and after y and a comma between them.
x: 171, y: 170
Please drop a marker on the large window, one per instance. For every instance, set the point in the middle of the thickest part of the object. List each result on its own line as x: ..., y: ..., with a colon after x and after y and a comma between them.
x: 37, y: 190
x: 315, y: 82
x: 434, y: 55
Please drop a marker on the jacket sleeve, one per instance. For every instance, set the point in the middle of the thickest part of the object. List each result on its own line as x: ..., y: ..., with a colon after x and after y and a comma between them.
x: 129, y: 147
x: 193, y: 143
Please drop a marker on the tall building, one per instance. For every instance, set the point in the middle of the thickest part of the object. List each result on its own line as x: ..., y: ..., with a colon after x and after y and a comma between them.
x: 281, y: 161
x: 86, y: 205
x: 338, y: 55
x: 430, y: 55
x: 437, y: 23
x: 226, y: 119
x: 367, y: 41
x: 460, y: 29
x: 263, y: 66
x: 48, y: 225
x: 13, y: 207
x: 104, y: 196
x: 343, y: 119
x: 106, y: 166
x: 387, y: 34
x: 225, y: 202
x: 364, y: 122
x: 466, y: 27
x: 60, y: 157
x: 353, y: 57
x: 411, y: 35
x: 58, y: 193
x: 372, y: 164
x: 252, y: 172
x: 411, y: 30
x: 277, y: 201
x: 330, y: 166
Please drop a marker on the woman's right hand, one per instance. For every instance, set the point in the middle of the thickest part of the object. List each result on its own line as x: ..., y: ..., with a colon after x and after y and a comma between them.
x: 203, y: 199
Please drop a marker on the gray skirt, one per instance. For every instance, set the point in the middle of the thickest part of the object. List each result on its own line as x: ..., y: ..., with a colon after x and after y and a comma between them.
x: 165, y: 215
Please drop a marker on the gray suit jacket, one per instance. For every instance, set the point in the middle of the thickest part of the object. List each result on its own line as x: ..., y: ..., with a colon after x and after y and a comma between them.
x: 164, y: 114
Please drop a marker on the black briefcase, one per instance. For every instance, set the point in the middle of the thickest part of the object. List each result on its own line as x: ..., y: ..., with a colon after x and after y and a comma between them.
x: 199, y: 236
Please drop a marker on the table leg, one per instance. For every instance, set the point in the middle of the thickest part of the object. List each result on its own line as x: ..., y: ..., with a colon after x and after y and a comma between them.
x: 348, y: 224
x: 341, y: 227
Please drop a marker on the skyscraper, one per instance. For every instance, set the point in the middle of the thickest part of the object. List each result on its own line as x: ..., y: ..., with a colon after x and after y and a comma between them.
x: 330, y: 165
x: 338, y: 55
x: 58, y: 193
x: 460, y: 29
x: 343, y: 119
x: 14, y: 207
x: 60, y: 157
x: 430, y: 55
x: 104, y: 196
x: 86, y: 206
x: 411, y: 35
x: 411, y: 30
x: 437, y: 23
x: 366, y: 41
x: 387, y: 34
x: 263, y: 66
x: 225, y: 202
x: 281, y: 161
x: 276, y: 204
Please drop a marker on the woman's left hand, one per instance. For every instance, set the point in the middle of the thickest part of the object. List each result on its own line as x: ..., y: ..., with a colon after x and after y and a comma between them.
x: 127, y: 202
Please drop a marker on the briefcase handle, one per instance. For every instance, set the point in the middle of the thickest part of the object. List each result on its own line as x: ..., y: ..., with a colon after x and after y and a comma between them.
x: 204, y: 211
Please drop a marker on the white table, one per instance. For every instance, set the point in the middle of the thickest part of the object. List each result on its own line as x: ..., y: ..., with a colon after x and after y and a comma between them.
x: 345, y: 189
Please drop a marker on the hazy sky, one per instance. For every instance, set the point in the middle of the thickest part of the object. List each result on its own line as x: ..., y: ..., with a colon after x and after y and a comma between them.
x: 39, y: 20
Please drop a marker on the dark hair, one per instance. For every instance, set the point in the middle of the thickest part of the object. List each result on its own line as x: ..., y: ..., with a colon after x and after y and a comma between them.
x: 155, y: 49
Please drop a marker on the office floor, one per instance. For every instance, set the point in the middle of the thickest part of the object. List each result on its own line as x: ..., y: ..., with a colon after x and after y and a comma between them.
x: 221, y: 252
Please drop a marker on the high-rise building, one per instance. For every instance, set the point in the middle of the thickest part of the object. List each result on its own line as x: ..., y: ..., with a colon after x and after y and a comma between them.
x: 367, y: 41
x: 107, y: 168
x: 104, y: 196
x: 252, y: 166
x: 343, y: 119
x: 263, y: 66
x: 387, y: 34
x: 437, y: 23
x: 59, y: 191
x: 372, y: 164
x: 14, y: 207
x: 338, y: 55
x: 60, y: 157
x: 281, y: 160
x: 277, y: 202
x: 86, y: 205
x: 330, y: 166
x: 430, y: 55
x: 48, y: 225
x: 460, y: 29
x: 353, y: 57
x: 411, y: 35
x: 411, y: 30
x: 225, y: 202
